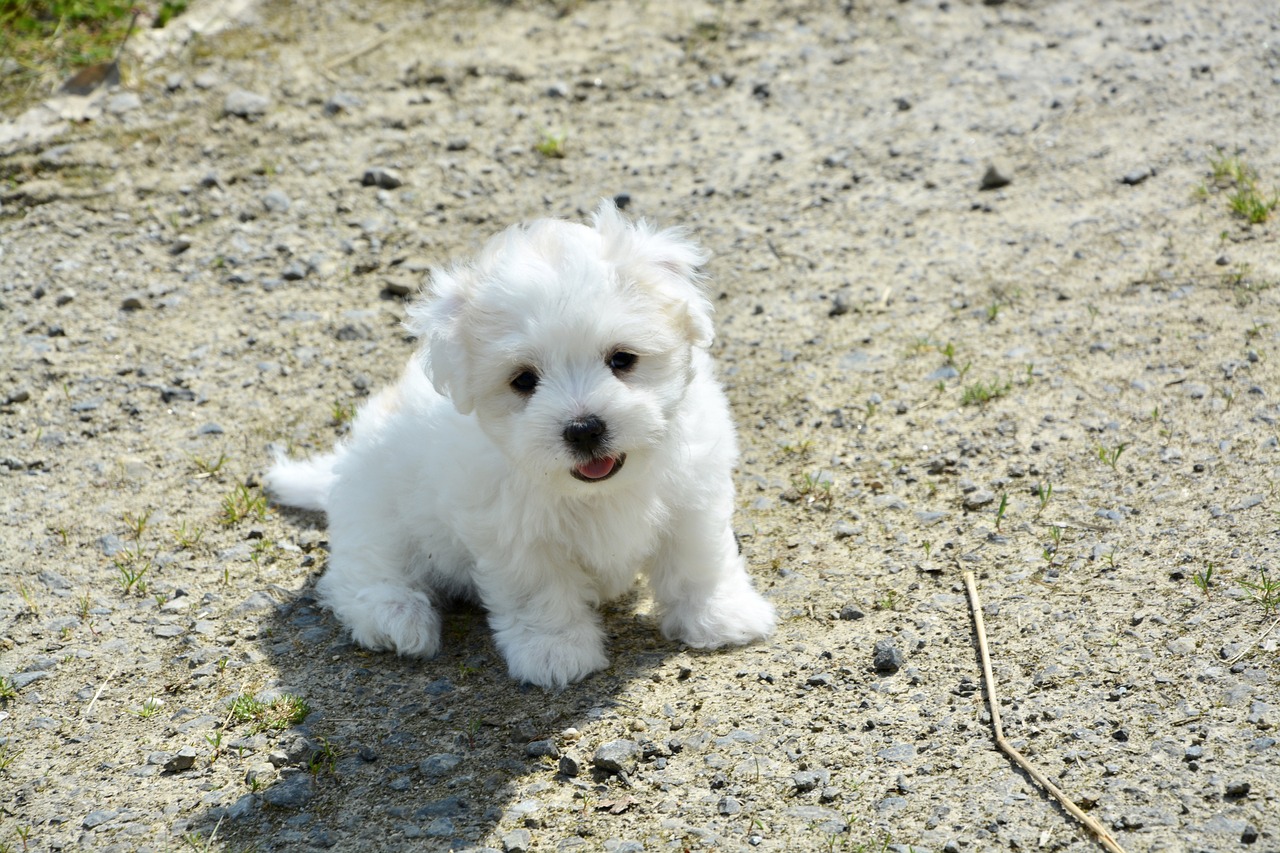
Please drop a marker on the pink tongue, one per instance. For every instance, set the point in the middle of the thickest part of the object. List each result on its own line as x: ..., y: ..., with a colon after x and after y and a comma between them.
x: 596, y: 468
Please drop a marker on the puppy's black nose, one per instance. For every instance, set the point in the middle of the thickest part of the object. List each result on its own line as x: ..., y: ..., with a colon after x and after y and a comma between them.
x: 584, y: 434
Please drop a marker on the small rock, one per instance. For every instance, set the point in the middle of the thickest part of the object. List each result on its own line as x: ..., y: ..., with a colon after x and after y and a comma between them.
x: 729, y: 806
x: 541, y: 749
x: 292, y: 792
x: 850, y: 612
x: 898, y: 752
x: 887, y: 657
x: 570, y: 766
x: 132, y: 302
x: 385, y: 179
x: 617, y: 756
x: 183, y: 759
x: 808, y: 780
x: 248, y: 105
x: 997, y: 175
x: 978, y: 499
x: 276, y: 201
x: 1238, y: 788
x: 98, y: 817
x: 341, y: 102
x: 845, y: 528
x: 398, y: 286
x: 517, y: 841
x: 1136, y: 176
x: 122, y: 103
x: 260, y: 773
x: 435, y: 766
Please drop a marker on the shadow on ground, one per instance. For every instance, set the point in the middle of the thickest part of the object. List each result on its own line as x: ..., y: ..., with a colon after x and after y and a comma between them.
x: 398, y: 752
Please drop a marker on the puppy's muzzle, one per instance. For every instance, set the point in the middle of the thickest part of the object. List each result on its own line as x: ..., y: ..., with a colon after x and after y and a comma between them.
x: 585, y: 435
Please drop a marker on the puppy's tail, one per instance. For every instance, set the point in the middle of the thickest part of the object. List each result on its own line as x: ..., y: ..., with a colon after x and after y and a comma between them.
x: 303, y: 483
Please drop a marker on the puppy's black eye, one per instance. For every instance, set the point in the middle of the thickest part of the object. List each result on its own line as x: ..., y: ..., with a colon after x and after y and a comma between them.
x: 524, y: 382
x: 622, y: 362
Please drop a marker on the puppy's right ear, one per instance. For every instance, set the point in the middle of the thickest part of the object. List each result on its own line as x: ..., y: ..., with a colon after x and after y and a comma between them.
x: 437, y: 318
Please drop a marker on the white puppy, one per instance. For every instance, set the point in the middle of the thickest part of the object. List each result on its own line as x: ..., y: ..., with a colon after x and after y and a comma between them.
x: 560, y: 432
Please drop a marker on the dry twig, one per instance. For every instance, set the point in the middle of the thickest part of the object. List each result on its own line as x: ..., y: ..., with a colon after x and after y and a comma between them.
x: 975, y: 606
x: 1237, y: 658
x: 101, y: 687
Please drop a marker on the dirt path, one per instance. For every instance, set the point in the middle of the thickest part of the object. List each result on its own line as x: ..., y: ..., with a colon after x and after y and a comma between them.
x: 1066, y: 383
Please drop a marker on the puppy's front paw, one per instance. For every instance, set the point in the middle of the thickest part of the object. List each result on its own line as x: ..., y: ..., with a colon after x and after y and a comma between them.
x: 391, y: 618
x: 552, y: 660
x: 733, y: 615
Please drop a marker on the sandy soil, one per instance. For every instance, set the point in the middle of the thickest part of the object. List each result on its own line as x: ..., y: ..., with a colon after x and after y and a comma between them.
x: 1066, y: 384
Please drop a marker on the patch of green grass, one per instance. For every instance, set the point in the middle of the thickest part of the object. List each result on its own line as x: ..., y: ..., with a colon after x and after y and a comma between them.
x: 980, y: 393
x: 208, y: 467
x: 7, y: 690
x: 242, y: 503
x: 342, y: 414
x: 1111, y: 455
x: 324, y: 760
x: 133, y: 565
x: 1264, y: 591
x: 1245, y: 198
x: 1203, y: 579
x: 816, y: 487
x: 49, y: 39
x: 552, y: 145
x: 186, y: 537
x: 280, y: 713
x: 1044, y: 491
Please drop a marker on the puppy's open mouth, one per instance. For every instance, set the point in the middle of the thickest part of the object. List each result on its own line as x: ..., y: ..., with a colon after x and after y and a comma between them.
x: 599, y: 469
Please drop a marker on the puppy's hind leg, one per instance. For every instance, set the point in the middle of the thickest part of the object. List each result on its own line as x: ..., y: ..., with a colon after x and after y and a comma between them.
x: 382, y: 611
x: 702, y: 588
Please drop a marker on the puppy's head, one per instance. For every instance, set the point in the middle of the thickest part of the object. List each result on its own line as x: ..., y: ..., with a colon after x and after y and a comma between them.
x: 571, y: 344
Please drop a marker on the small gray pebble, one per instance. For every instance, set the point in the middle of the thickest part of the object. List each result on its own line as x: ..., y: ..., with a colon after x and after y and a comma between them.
x: 849, y: 613
x: 517, y: 841
x: 978, y: 499
x: 808, y: 780
x: 617, y: 756
x: 98, y: 817
x: 998, y: 174
x: 341, y: 102
x: 435, y: 766
x: 541, y: 749
x: 244, y: 104
x: 386, y: 179
x: 292, y: 792
x: 183, y: 759
x: 276, y: 201
x: 887, y: 657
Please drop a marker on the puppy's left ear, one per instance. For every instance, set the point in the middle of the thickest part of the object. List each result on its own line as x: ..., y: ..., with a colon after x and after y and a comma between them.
x: 438, y: 318
x: 667, y: 260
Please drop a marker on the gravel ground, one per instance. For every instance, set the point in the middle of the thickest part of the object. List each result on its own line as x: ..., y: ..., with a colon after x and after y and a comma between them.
x: 982, y: 303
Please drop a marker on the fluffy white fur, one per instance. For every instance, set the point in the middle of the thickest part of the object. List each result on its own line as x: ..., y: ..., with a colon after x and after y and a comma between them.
x: 544, y: 501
